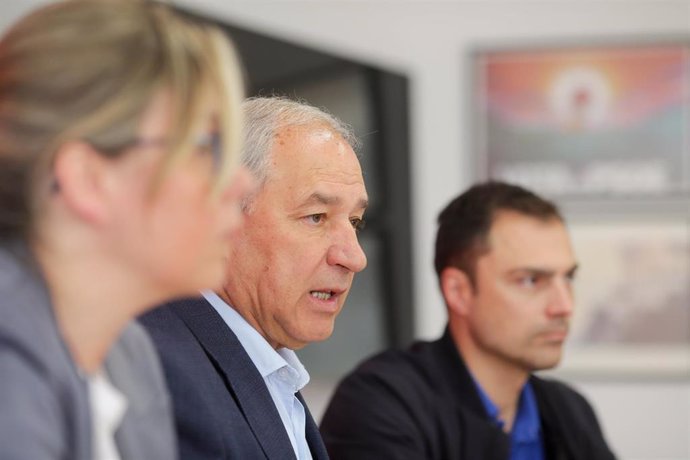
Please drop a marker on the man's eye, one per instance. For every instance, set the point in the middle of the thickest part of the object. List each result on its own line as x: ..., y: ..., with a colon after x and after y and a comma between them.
x: 358, y: 223
x: 315, y: 218
x: 529, y: 281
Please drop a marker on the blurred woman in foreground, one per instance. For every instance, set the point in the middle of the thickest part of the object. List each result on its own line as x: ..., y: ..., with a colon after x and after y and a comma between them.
x: 119, y: 188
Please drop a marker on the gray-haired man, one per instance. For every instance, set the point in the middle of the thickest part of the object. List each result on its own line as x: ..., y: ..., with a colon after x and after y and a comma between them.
x: 229, y: 357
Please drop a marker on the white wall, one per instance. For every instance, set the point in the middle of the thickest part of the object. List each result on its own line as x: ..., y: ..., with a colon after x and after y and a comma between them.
x: 428, y: 41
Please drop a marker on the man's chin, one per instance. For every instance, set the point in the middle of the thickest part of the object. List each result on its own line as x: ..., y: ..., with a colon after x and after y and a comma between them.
x: 315, y: 335
x: 546, y: 364
x: 324, y: 332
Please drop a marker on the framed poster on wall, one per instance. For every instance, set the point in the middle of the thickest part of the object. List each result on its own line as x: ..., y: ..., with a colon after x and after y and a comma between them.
x: 585, y: 121
x: 632, y: 298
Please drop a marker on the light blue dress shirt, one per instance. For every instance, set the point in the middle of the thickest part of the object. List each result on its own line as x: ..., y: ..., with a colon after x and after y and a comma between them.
x: 526, y: 441
x: 282, y: 371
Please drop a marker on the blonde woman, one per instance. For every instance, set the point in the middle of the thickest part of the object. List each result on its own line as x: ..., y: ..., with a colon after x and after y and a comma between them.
x: 119, y: 188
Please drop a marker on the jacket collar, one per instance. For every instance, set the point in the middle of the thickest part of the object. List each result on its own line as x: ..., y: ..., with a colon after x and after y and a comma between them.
x: 460, y: 388
x: 244, y: 381
x: 242, y: 378
x: 457, y: 378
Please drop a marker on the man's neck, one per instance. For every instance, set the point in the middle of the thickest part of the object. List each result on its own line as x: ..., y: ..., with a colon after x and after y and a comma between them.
x: 246, y: 313
x: 501, y: 381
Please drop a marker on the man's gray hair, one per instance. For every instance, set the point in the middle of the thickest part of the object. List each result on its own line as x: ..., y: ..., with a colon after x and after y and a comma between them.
x: 264, y: 117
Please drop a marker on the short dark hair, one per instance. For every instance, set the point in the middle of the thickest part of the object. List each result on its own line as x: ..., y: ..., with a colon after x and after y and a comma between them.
x: 464, y: 225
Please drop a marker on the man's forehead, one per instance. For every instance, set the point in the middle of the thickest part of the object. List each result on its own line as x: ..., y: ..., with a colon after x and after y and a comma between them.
x: 512, y: 228
x: 311, y: 146
x: 315, y: 131
x: 331, y: 199
x: 527, y: 241
x: 545, y: 263
x: 308, y: 162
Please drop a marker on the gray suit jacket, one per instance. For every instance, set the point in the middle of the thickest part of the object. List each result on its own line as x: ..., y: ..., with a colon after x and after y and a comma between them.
x: 44, y: 405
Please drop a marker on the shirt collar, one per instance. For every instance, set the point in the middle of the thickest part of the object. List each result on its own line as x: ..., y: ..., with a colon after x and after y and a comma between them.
x: 527, y: 423
x: 266, y: 359
x: 489, y: 406
x: 299, y: 375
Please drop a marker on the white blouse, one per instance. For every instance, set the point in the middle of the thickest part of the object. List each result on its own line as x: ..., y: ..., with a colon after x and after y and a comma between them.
x: 108, y: 407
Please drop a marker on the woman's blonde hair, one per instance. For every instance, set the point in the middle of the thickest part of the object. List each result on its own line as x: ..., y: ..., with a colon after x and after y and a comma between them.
x: 87, y: 70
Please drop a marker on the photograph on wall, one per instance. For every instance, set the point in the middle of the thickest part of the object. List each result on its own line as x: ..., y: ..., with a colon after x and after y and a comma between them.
x: 581, y: 122
x: 632, y: 298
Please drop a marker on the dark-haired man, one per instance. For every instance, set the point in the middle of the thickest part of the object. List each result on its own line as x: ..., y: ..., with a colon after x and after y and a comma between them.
x: 505, y: 267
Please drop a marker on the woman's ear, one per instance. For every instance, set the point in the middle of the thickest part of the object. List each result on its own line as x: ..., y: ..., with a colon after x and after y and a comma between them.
x: 457, y: 290
x: 79, y: 181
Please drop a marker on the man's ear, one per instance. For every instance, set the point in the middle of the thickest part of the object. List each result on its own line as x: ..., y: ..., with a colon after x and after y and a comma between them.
x: 457, y: 290
x: 80, y: 181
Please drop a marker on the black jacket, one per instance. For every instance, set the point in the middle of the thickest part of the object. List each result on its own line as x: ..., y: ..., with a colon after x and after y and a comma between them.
x: 421, y: 403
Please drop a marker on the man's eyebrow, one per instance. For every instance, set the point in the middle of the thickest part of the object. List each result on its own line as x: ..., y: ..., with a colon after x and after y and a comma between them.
x: 320, y: 198
x: 542, y: 271
x: 532, y: 271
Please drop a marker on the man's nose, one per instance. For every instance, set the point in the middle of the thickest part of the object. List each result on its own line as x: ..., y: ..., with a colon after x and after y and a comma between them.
x: 561, y: 302
x: 346, y: 251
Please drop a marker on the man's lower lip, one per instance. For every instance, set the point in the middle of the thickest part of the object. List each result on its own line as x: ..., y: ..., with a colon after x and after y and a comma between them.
x: 557, y: 336
x: 329, y: 305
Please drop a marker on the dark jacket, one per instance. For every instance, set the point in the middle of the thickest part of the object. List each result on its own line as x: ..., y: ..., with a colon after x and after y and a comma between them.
x: 223, y: 409
x: 421, y: 403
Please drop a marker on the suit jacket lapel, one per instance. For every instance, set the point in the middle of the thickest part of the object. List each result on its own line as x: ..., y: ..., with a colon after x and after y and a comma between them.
x: 243, y: 380
x: 314, y: 440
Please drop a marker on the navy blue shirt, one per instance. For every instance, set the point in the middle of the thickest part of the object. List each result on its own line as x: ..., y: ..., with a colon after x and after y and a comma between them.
x: 526, y: 441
